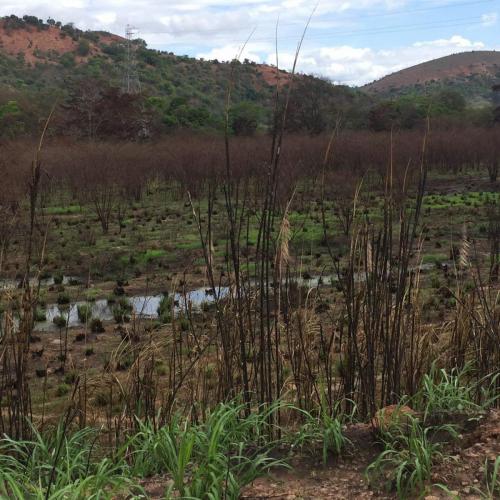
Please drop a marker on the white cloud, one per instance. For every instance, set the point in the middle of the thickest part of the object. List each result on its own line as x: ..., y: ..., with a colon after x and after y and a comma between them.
x: 190, y: 17
x: 215, y: 29
x: 106, y: 18
x: 455, y: 41
x: 359, y: 65
x: 231, y: 51
x: 489, y: 19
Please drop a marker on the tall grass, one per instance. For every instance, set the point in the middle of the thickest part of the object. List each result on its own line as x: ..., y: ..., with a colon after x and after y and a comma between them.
x: 444, y: 394
x: 54, y: 466
x: 409, y: 453
x: 213, y: 459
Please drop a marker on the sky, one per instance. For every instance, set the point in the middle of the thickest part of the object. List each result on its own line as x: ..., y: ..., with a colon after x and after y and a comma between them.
x: 348, y: 41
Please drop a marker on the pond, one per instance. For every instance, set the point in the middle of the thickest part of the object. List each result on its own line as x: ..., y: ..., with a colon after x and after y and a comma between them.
x: 12, y: 284
x: 143, y: 306
x: 146, y: 306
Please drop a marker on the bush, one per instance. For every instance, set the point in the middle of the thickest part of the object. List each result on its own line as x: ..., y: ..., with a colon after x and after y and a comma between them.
x: 40, y: 315
x: 63, y: 298
x: 245, y: 118
x: 96, y: 326
x: 62, y: 390
x: 165, y: 309
x: 58, y: 279
x: 84, y: 313
x: 408, y: 456
x: 60, y: 321
x: 122, y: 310
x: 67, y: 60
x: 70, y: 378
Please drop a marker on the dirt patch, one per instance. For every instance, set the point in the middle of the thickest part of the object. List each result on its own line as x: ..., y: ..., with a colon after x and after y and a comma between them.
x: 465, y: 473
x: 309, y: 478
x: 270, y: 75
x: 345, y: 479
x: 32, y: 42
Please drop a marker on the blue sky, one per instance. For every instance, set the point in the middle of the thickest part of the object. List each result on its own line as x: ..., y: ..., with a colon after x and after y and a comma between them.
x: 348, y: 41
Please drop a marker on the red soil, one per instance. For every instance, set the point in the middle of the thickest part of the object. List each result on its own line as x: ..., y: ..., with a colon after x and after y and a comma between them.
x: 30, y: 40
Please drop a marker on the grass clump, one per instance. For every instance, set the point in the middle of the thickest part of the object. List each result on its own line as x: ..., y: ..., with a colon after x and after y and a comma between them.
x: 412, y: 446
x: 63, y: 298
x: 84, y: 313
x: 165, y: 309
x: 210, y: 460
x: 60, y: 321
x: 323, y: 430
x: 56, y: 466
x: 96, y: 326
x: 40, y: 315
x: 62, y: 390
x: 93, y: 294
x: 58, y: 279
x: 122, y: 310
x: 445, y: 394
x: 409, y: 453
x: 491, y: 479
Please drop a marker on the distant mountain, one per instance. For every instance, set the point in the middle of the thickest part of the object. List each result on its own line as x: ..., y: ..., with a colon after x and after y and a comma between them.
x: 471, y: 73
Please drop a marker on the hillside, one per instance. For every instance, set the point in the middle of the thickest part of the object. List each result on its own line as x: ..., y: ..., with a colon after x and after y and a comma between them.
x: 39, y: 54
x: 37, y: 42
x: 43, y: 61
x: 471, y: 73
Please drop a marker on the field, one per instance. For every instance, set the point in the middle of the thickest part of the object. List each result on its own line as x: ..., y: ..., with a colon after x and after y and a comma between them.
x: 182, y: 318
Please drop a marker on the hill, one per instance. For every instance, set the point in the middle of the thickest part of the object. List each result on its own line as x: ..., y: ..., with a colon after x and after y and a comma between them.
x: 471, y: 73
x: 44, y: 54
x: 34, y: 41
x: 41, y: 61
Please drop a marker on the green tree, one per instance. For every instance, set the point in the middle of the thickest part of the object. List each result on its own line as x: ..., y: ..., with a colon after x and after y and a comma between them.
x: 83, y: 48
x: 245, y: 117
x: 496, y: 99
x: 67, y: 60
x: 11, y: 123
x: 383, y: 116
x: 448, y: 102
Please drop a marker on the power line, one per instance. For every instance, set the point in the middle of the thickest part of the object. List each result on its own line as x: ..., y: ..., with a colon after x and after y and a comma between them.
x: 221, y: 32
x: 427, y: 26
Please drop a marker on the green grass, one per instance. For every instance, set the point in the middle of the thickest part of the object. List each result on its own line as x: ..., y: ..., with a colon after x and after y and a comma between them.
x: 63, y: 210
x: 165, y: 309
x: 207, y: 461
x: 56, y: 466
x: 491, y: 479
x: 406, y: 463
x: 150, y: 255
x: 470, y: 198
x: 444, y: 394
x: 84, y: 313
x: 322, y: 431
x: 434, y: 258
x: 93, y: 294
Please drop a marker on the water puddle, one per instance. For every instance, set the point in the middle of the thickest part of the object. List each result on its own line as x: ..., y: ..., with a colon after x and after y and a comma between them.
x: 10, y: 284
x: 143, y: 306
x: 146, y: 306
